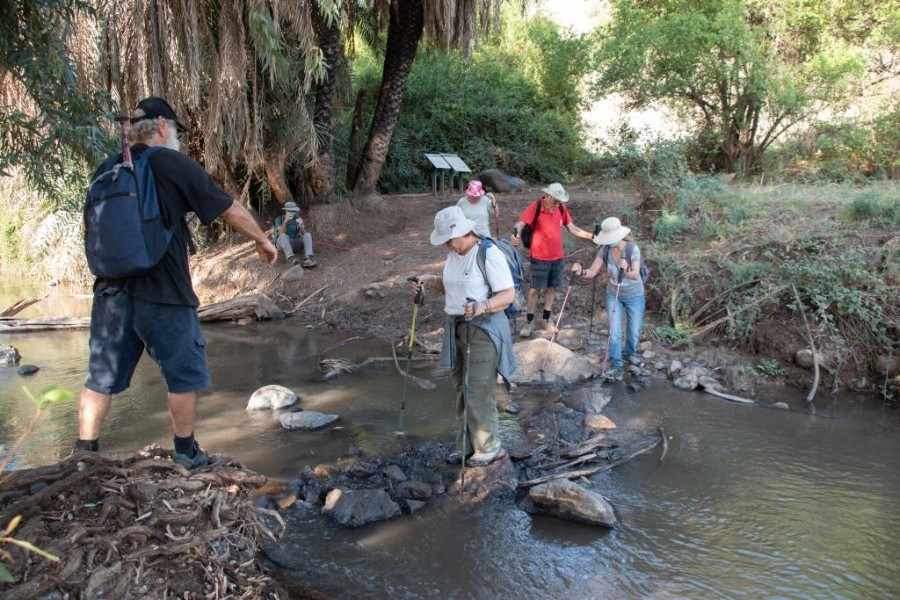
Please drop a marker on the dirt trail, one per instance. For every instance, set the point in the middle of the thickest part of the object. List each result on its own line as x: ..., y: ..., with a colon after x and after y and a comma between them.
x: 366, y: 251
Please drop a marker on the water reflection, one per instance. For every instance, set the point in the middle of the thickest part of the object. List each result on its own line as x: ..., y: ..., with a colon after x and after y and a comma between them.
x: 748, y: 502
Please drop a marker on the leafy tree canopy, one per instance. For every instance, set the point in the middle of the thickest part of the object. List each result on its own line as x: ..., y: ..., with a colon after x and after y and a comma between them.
x: 745, y: 70
x: 48, y: 112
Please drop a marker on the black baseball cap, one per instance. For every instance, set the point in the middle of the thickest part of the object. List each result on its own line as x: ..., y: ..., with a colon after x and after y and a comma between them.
x: 154, y: 107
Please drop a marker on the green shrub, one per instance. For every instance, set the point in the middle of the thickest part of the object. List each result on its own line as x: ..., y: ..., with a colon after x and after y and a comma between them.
x: 770, y: 368
x: 669, y: 226
x: 882, y: 206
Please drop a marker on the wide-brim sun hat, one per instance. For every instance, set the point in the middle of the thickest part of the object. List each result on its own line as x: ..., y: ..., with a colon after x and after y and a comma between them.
x: 557, y: 191
x: 291, y: 207
x: 611, y: 231
x: 475, y: 189
x: 450, y: 223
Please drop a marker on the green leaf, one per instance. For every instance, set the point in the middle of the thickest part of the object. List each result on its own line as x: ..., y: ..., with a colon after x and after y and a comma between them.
x: 56, y: 394
x: 5, y: 575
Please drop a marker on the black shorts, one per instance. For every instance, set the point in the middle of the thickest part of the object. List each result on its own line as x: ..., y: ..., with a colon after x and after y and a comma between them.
x: 123, y: 326
x: 547, y: 273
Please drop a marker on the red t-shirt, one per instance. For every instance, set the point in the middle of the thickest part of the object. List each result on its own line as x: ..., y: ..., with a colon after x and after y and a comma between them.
x: 546, y: 242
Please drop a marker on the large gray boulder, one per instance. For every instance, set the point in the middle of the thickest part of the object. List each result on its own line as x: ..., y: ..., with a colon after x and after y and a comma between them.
x: 307, y: 419
x: 567, y: 500
x: 495, y: 180
x: 588, y: 399
x: 562, y: 366
x: 271, y: 397
x: 353, y: 508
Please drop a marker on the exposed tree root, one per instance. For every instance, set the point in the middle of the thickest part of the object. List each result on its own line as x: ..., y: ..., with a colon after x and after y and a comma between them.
x: 137, y: 526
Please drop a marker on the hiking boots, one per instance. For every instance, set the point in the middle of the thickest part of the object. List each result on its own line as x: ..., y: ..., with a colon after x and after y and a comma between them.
x: 197, y: 459
x: 309, y: 262
x: 635, y: 360
x: 614, y: 374
x: 526, y: 329
x: 549, y: 327
x: 294, y: 260
x: 483, y: 459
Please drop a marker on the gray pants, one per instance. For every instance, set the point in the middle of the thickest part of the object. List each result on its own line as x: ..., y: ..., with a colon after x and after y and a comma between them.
x: 288, y: 245
x: 483, y: 420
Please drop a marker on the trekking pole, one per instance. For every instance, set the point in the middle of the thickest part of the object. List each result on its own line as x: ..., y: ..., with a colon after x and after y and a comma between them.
x: 593, y: 289
x: 465, y: 423
x: 593, y: 294
x: 558, y: 320
x: 418, y: 300
x: 496, y: 220
x: 612, y: 320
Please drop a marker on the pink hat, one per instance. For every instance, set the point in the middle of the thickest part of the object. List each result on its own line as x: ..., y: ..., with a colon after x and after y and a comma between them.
x: 475, y: 189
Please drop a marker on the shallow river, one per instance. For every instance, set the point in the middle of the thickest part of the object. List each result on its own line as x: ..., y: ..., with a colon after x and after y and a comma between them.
x: 748, y: 502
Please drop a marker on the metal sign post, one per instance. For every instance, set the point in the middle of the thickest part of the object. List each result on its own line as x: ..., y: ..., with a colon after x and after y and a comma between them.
x: 440, y: 164
x: 458, y: 168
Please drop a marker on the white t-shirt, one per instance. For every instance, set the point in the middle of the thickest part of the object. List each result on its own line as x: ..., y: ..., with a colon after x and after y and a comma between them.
x: 480, y: 212
x: 463, y: 279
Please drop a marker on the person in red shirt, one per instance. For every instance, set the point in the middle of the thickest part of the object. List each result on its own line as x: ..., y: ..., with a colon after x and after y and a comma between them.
x: 547, y: 254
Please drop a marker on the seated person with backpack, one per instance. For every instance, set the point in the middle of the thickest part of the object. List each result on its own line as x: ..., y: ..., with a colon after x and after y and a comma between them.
x: 289, y: 234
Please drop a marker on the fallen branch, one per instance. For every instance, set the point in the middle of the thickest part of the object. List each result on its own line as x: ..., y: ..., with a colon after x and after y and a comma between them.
x: 307, y: 299
x: 812, y: 345
x: 665, y: 443
x: 731, y: 397
x: 729, y: 316
x: 425, y: 384
x: 21, y: 305
x: 591, y: 471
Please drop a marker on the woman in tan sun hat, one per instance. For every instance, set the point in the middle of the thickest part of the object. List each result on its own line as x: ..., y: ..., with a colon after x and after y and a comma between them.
x: 479, y: 207
x: 479, y: 326
x: 622, y: 260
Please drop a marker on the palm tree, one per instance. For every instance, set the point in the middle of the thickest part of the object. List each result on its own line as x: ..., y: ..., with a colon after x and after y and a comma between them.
x: 448, y: 24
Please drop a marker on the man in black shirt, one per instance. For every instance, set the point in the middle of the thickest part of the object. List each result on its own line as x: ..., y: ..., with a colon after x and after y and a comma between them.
x: 157, y: 311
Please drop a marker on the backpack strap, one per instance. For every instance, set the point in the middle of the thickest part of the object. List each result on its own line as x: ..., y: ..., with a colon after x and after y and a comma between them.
x: 481, y: 259
x: 629, y: 252
x: 537, y: 214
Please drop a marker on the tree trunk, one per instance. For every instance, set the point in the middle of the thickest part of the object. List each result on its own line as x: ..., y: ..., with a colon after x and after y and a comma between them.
x: 404, y: 32
x: 355, y: 153
x: 320, y: 171
x: 275, y: 155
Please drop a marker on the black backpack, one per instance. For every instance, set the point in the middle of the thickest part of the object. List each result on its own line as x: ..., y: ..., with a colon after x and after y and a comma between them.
x: 124, y: 235
x: 629, y: 252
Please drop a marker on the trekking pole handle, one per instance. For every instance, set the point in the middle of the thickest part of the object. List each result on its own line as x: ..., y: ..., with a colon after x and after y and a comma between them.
x: 419, y: 298
x: 621, y: 275
x: 471, y: 301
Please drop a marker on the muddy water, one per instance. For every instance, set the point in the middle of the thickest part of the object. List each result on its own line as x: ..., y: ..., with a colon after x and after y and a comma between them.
x: 748, y: 502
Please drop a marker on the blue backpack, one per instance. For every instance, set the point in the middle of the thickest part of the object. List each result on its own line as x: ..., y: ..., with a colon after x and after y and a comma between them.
x: 124, y: 235
x: 516, y: 269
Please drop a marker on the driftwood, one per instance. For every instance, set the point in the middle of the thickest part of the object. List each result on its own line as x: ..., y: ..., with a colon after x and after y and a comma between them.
x: 13, y: 325
x: 21, y: 305
x: 812, y: 345
x: 633, y: 450
x: 257, y: 306
x: 731, y: 397
x: 425, y: 384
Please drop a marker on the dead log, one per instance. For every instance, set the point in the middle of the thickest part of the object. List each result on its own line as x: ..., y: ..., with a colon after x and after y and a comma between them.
x: 256, y: 306
x: 13, y: 325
